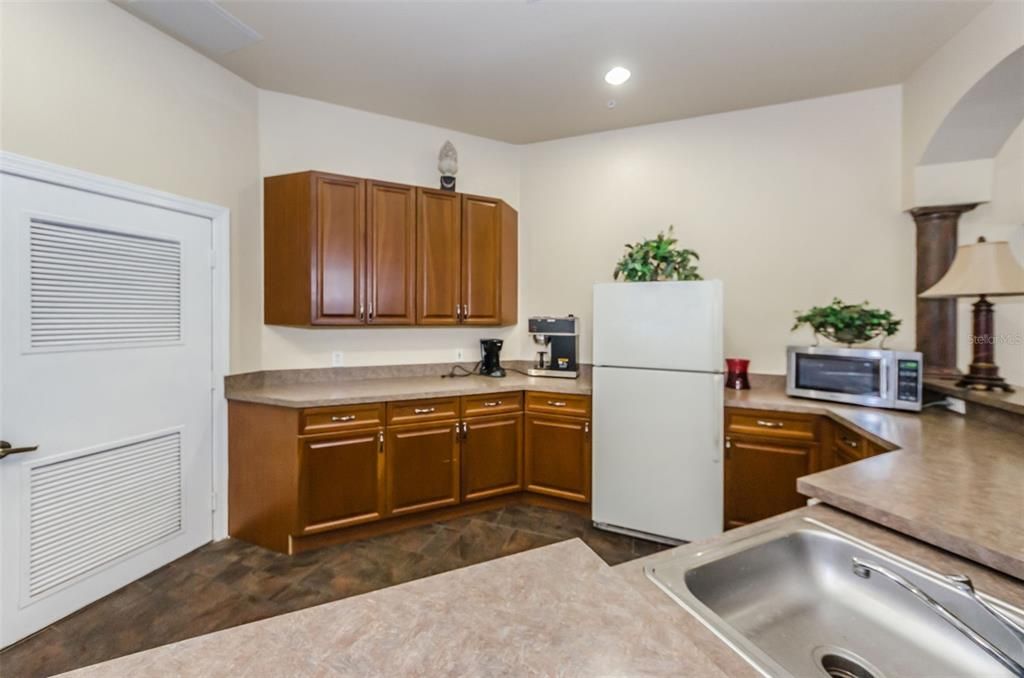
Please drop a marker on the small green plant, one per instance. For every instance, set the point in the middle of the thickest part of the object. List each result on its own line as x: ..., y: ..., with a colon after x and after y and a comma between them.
x: 848, y: 323
x: 657, y: 259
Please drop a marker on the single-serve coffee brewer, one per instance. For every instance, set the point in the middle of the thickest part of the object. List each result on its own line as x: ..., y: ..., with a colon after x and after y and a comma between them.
x: 490, y: 358
x: 559, y: 339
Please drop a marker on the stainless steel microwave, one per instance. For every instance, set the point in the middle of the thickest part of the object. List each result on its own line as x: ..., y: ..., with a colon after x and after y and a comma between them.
x: 859, y: 376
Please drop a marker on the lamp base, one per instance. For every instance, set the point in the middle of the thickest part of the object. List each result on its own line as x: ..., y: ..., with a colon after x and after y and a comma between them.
x: 979, y: 382
x: 983, y: 375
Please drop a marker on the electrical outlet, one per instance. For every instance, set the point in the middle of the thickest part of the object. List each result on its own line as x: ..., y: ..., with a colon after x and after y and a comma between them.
x: 956, y: 405
x: 337, y: 359
x: 459, y: 355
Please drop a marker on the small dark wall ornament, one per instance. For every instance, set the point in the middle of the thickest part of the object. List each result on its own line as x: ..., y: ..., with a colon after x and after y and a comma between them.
x: 448, y: 165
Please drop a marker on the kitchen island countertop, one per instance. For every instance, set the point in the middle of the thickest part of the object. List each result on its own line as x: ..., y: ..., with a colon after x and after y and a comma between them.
x: 952, y: 481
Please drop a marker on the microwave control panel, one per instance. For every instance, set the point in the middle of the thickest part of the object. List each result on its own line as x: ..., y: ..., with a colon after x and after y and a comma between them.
x: 908, y: 380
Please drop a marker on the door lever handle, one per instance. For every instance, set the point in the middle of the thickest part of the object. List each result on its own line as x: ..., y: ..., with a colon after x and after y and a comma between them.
x: 6, y: 449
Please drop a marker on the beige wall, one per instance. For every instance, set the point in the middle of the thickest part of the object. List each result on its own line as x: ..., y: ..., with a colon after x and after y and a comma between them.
x: 789, y: 205
x: 930, y: 93
x: 299, y: 134
x: 87, y: 85
x: 1000, y: 219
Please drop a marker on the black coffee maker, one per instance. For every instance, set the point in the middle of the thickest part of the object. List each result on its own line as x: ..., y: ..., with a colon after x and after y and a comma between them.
x: 490, y: 361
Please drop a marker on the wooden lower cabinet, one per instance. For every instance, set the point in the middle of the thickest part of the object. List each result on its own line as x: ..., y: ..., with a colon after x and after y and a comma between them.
x: 760, y: 478
x: 557, y: 456
x: 341, y: 480
x: 422, y: 467
x: 304, y: 478
x: 492, y: 458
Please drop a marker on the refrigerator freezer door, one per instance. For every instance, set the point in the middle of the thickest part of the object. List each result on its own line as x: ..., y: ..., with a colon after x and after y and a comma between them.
x: 657, y: 450
x: 659, y: 325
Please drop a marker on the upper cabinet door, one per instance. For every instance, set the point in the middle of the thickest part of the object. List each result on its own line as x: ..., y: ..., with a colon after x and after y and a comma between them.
x: 341, y: 240
x: 438, y: 248
x: 481, y: 261
x: 391, y: 253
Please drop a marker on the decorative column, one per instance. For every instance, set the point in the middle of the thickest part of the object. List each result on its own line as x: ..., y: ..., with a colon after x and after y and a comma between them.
x: 936, y: 318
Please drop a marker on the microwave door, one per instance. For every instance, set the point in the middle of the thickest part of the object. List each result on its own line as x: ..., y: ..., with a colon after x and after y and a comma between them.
x: 862, y: 380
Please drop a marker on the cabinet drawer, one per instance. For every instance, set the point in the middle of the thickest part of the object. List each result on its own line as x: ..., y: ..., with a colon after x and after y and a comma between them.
x: 771, y: 424
x: 341, y: 418
x: 492, y: 403
x: 413, y: 411
x: 558, y: 403
x: 850, y: 443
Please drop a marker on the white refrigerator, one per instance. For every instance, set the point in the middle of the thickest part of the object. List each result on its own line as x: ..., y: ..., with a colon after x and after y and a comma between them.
x: 658, y: 409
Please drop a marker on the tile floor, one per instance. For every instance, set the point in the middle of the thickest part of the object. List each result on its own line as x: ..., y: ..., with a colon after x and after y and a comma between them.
x: 230, y: 582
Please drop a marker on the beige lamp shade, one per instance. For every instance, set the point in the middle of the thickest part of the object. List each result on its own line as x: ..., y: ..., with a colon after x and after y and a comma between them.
x: 981, y: 268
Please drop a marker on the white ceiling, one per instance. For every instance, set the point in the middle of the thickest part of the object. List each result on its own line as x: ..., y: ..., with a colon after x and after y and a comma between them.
x: 525, y: 71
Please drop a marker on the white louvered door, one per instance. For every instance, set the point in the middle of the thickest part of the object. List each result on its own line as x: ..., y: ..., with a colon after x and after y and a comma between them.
x: 105, y: 364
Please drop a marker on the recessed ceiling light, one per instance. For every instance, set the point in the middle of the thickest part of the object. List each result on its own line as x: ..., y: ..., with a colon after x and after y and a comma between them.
x: 617, y: 75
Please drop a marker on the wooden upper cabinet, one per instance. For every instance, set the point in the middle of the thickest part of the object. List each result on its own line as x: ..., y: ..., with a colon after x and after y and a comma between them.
x: 346, y: 251
x: 314, y: 230
x: 340, y: 264
x: 489, y: 262
x: 438, y: 264
x: 391, y: 253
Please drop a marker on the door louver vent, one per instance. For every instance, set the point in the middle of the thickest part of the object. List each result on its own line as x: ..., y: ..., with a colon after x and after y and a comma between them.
x: 91, y: 287
x: 88, y: 511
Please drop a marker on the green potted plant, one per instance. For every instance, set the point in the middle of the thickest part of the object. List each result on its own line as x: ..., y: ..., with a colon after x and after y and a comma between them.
x: 848, y: 323
x: 657, y: 259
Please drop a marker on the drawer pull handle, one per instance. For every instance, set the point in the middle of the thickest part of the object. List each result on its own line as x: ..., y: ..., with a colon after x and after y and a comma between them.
x: 492, y: 403
x: 851, y: 443
x: 345, y: 417
x: 424, y: 410
x: 770, y: 424
x: 557, y: 403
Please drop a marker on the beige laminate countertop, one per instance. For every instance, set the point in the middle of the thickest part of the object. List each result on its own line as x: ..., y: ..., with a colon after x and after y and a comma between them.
x: 954, y: 482
x: 556, y: 610
x: 386, y: 389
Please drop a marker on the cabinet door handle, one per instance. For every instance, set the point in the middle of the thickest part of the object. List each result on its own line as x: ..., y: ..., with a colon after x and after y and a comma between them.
x: 586, y: 427
x: 424, y: 410
x: 371, y: 310
x: 728, y: 443
x: 362, y: 311
x: 346, y: 417
x: 380, y: 441
x: 770, y: 424
x: 465, y: 430
x: 458, y: 313
x: 492, y: 403
x: 557, y: 403
x: 465, y: 312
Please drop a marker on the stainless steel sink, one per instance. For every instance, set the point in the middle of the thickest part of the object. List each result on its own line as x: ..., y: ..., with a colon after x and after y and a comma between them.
x: 789, y: 601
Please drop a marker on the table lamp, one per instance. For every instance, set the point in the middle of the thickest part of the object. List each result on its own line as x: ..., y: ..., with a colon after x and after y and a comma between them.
x: 982, y: 269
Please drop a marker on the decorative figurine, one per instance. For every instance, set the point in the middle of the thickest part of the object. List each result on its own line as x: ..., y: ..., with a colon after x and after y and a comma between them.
x: 448, y: 165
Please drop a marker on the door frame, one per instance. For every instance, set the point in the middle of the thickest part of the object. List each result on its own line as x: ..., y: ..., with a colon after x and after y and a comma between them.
x: 220, y: 245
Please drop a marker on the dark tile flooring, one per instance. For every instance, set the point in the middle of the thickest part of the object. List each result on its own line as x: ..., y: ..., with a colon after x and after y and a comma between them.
x: 229, y: 582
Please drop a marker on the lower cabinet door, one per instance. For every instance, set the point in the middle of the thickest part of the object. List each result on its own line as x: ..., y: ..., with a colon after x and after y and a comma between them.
x: 492, y: 462
x: 557, y: 456
x: 341, y: 480
x: 422, y: 467
x: 760, y: 478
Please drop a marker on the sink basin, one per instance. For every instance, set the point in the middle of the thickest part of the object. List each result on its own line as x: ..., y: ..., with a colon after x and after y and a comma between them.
x: 788, y: 601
